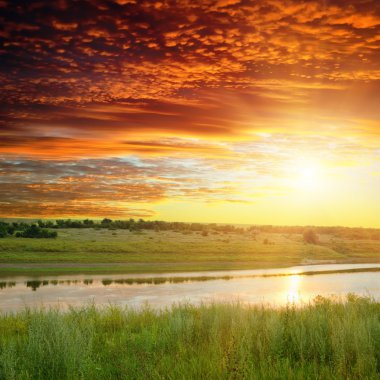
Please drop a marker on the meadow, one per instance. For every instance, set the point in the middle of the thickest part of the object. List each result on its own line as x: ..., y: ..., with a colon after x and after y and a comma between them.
x: 122, y: 251
x: 325, y: 339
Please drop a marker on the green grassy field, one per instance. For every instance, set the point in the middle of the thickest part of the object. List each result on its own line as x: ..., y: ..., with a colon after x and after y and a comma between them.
x: 324, y: 340
x: 121, y: 251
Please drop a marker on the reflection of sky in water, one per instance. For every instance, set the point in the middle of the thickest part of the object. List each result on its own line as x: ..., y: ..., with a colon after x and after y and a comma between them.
x: 278, y: 290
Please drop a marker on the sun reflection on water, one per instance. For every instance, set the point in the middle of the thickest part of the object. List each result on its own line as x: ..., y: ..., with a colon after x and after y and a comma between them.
x: 293, y: 292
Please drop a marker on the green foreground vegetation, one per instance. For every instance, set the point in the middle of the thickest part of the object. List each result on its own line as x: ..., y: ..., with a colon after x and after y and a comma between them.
x: 89, y: 250
x: 326, y: 339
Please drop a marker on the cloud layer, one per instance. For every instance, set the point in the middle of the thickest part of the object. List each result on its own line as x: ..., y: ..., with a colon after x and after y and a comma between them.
x: 110, y: 104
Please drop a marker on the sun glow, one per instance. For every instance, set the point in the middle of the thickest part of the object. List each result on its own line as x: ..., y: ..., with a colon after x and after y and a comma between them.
x: 308, y: 175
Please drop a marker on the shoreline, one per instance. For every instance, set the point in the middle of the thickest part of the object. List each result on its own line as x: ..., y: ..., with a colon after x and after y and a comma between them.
x: 11, y: 270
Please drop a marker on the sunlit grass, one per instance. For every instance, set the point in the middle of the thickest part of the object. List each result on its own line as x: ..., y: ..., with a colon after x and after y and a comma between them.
x: 76, y: 250
x: 327, y: 339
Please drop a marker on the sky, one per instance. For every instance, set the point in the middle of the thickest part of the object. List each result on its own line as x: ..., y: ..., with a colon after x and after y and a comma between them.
x: 227, y: 111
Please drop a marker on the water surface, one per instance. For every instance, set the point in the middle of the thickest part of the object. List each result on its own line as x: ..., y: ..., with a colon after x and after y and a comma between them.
x: 275, y: 286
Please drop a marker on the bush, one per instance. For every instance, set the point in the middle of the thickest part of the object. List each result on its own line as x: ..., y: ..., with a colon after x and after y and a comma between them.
x: 10, y: 230
x: 34, y: 231
x: 3, y: 231
x: 310, y: 236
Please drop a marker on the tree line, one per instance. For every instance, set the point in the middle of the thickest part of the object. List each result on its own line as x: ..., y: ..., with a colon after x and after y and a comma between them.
x: 43, y: 228
x: 25, y: 230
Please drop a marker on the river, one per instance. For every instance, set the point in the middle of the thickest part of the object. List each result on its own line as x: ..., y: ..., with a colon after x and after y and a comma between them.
x: 267, y: 286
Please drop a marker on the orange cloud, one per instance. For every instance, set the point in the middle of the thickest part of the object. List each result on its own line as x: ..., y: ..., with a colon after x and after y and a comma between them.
x: 208, y: 94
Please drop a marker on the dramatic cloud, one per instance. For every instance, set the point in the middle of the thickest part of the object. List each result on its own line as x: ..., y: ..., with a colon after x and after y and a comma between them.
x: 110, y: 104
x: 170, y: 66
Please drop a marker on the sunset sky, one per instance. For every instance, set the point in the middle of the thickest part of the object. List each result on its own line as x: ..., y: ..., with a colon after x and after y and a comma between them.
x: 229, y: 111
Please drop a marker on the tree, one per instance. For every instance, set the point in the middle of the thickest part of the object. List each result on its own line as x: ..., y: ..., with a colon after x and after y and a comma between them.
x: 3, y: 231
x: 34, y: 231
x: 11, y: 230
x: 60, y: 223
x: 310, y: 236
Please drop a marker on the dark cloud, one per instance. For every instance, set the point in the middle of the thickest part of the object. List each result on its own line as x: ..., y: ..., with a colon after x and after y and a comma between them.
x: 149, y: 65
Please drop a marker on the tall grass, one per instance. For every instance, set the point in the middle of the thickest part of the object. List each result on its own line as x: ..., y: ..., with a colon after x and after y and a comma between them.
x: 327, y: 339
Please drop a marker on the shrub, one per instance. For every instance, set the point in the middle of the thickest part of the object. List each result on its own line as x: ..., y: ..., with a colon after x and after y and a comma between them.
x: 34, y: 231
x: 3, y: 231
x: 310, y: 236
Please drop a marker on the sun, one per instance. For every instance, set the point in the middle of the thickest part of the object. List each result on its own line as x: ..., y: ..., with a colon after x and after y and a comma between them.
x: 307, y: 174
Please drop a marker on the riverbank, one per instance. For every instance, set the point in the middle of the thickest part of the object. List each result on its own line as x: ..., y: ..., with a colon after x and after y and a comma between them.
x: 325, y: 339
x: 88, y: 251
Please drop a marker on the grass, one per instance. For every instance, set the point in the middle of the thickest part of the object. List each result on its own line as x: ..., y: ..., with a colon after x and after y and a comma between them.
x: 121, y: 251
x: 326, y: 339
